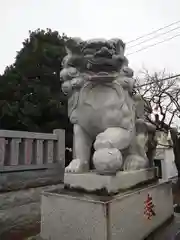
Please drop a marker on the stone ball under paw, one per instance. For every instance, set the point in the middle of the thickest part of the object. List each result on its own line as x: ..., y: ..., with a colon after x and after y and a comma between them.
x: 113, y: 137
x: 107, y: 160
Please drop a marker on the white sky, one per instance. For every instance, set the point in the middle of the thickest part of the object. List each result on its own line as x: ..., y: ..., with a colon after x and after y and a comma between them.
x: 126, y: 19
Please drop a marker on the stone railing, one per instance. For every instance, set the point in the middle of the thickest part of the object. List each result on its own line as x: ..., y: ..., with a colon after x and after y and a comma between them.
x: 28, y: 157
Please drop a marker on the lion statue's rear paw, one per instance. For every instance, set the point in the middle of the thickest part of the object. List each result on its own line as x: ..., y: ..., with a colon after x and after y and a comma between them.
x: 135, y: 162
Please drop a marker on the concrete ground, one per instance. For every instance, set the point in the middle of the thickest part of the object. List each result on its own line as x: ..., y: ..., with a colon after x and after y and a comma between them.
x: 170, y: 231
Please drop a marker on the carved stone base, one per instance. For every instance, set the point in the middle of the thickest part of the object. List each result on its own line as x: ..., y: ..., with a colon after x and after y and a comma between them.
x: 72, y: 215
x: 92, y: 182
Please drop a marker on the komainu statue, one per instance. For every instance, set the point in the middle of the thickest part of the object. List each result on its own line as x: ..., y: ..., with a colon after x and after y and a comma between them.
x: 102, y: 107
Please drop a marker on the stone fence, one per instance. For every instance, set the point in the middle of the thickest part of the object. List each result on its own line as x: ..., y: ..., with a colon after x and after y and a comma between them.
x: 25, y: 150
x: 29, y: 164
x: 29, y: 158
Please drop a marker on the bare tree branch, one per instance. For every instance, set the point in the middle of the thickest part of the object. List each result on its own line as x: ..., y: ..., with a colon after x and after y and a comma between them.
x: 172, y: 118
x: 165, y: 95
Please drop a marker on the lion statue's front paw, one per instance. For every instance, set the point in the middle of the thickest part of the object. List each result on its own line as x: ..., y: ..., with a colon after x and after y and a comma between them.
x: 76, y: 166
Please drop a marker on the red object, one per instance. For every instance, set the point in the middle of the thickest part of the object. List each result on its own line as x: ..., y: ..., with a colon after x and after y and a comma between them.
x: 149, y: 208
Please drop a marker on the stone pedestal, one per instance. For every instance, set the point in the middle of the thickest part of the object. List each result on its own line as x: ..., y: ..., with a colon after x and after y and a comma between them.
x: 109, y: 184
x: 71, y: 215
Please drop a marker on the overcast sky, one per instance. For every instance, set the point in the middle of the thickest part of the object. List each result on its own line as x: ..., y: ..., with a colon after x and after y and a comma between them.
x: 126, y: 19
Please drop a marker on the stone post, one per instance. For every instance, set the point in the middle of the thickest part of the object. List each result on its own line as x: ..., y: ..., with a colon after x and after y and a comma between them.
x: 60, y: 147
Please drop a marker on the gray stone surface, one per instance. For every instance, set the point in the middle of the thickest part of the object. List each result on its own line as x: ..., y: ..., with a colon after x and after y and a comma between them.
x: 68, y: 215
x: 14, y: 151
x: 37, y: 237
x: 169, y: 231
x: 29, y: 135
x: 26, y: 149
x: 101, y: 107
x: 19, y: 209
x: 60, y: 147
x: 13, y: 199
x: 18, y: 217
x: 10, y: 181
x: 107, y: 160
x: 2, y: 150
x: 93, y: 182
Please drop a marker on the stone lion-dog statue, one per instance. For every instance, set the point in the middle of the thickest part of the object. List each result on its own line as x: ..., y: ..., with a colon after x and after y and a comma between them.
x: 102, y: 107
